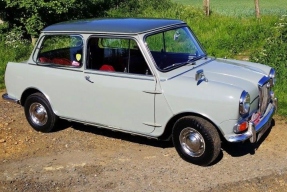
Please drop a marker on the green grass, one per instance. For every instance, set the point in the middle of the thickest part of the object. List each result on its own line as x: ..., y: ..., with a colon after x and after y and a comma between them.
x: 240, y: 7
x: 19, y: 53
x: 225, y: 36
x: 274, y: 54
x: 5, y: 55
x: 220, y: 34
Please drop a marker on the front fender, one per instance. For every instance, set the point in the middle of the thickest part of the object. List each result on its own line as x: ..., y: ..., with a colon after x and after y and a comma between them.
x: 215, y: 101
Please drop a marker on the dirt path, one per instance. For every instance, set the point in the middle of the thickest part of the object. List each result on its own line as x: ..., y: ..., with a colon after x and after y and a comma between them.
x: 83, y: 158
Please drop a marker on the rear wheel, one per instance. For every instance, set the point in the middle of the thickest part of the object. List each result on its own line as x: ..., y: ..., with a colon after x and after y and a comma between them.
x: 39, y: 113
x: 196, y: 140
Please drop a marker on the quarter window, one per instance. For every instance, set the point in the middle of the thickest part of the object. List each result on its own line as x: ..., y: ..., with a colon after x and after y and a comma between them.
x: 65, y: 50
x: 116, y: 55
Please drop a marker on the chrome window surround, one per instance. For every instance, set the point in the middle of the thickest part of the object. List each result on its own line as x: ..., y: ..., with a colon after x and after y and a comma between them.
x: 39, y: 46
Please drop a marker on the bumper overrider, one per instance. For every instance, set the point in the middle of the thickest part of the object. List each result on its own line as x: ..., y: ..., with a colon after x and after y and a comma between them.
x: 255, y: 132
x: 5, y: 96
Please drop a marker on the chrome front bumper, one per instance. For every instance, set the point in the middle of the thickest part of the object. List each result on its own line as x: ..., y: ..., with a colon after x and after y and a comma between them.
x: 5, y: 96
x: 255, y: 132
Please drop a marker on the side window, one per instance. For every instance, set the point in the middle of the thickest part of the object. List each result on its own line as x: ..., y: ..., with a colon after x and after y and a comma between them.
x: 156, y: 42
x: 116, y: 55
x: 66, y: 50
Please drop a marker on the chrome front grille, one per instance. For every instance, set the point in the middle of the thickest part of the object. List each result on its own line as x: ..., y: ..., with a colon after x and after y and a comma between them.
x: 264, y: 94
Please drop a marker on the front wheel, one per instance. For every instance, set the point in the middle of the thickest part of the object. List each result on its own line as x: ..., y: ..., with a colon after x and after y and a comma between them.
x: 39, y: 113
x: 196, y: 140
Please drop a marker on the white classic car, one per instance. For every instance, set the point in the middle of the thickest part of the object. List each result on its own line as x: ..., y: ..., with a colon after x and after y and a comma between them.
x: 149, y: 77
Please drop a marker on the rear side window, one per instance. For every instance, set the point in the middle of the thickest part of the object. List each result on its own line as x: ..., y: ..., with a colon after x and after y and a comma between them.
x: 63, y: 50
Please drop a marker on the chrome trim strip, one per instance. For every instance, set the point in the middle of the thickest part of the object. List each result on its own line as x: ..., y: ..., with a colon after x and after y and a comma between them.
x: 212, y: 59
x: 149, y: 78
x: 261, y: 126
x: 175, y: 25
x: 109, y: 127
x: 234, y: 62
x: 6, y: 97
x: 78, y: 69
x: 162, y: 79
x: 67, y: 68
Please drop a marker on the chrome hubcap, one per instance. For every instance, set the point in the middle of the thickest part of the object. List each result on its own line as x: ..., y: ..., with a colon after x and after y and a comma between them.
x: 38, y: 114
x: 192, y: 142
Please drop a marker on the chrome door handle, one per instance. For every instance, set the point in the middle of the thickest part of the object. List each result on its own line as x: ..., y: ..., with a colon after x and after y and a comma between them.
x: 88, y: 79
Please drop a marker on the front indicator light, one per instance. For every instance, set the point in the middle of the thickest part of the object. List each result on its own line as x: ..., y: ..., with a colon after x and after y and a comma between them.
x: 241, y: 127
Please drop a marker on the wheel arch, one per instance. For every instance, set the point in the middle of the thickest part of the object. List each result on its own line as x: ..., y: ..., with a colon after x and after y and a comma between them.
x: 169, y: 126
x: 38, y: 110
x: 27, y: 92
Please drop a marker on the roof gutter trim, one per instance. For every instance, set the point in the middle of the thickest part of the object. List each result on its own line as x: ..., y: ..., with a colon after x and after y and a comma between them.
x: 119, y: 33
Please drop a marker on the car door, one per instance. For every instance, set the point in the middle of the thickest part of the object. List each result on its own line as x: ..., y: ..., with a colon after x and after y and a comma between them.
x: 58, y: 73
x: 119, y: 87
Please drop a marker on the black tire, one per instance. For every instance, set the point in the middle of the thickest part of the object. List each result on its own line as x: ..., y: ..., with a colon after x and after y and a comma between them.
x: 39, y: 113
x: 196, y: 140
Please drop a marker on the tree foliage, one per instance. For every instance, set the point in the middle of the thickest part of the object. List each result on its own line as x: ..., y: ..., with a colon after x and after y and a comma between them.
x: 35, y: 15
x: 137, y: 8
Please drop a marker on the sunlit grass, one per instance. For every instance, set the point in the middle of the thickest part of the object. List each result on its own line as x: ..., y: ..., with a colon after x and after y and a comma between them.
x: 273, y: 53
x: 241, y: 8
x: 7, y: 53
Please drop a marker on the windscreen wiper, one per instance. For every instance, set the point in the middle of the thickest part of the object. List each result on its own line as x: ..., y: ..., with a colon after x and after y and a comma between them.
x: 190, y: 61
x: 174, y: 65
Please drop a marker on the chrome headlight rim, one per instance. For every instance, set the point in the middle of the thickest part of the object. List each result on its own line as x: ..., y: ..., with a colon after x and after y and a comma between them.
x: 272, y: 76
x: 244, y: 104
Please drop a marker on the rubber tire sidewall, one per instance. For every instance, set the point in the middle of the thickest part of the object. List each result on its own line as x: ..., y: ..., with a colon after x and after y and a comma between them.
x: 209, y: 134
x: 52, y: 118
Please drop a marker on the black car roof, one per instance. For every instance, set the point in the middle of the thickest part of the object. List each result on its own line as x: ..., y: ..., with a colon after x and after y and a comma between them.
x: 112, y: 25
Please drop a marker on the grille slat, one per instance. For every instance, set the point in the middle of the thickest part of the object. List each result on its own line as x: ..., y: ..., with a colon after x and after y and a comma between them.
x: 264, y: 94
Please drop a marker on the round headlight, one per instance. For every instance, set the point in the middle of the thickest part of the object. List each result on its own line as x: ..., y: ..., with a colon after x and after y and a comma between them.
x: 272, y: 75
x: 244, y: 103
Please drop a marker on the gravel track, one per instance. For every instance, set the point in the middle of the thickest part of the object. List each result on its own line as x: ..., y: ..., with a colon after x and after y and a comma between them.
x: 82, y: 158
